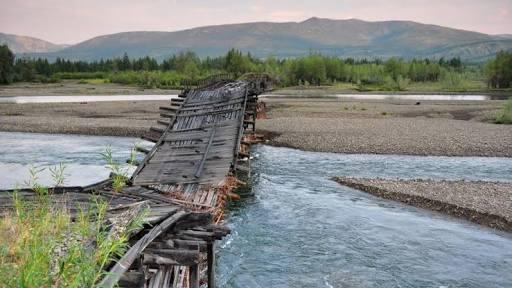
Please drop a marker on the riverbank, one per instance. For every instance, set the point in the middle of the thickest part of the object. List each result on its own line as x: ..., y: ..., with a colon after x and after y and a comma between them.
x: 449, y: 128
x: 415, y: 89
x: 77, y: 87
x: 391, y: 126
x: 120, y: 118
x: 485, y: 203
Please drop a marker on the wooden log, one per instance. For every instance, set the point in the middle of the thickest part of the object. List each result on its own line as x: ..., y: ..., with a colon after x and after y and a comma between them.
x: 169, y: 108
x: 179, y: 257
x: 187, y: 244
x: 149, y: 138
x: 115, y: 273
x: 162, y: 122
x: 154, y: 260
x: 199, y: 170
x: 243, y: 154
x: 141, y: 149
x: 210, y: 256
x: 157, y: 129
x: 167, y: 115
x: 205, y: 235
x: 193, y: 276
x: 132, y: 279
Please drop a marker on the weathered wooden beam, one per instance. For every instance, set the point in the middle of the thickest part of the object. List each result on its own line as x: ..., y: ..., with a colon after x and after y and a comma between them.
x: 169, y: 108
x: 193, y: 276
x: 210, y: 258
x: 167, y: 115
x: 187, y: 244
x: 179, y: 257
x: 199, y: 170
x: 162, y: 122
x: 132, y: 279
x: 157, y: 129
x: 115, y: 273
x: 149, y: 138
x: 151, y: 259
x: 141, y: 149
x: 243, y: 154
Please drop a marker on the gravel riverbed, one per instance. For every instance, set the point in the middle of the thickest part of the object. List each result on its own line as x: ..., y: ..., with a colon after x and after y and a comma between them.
x: 486, y: 203
x: 388, y: 127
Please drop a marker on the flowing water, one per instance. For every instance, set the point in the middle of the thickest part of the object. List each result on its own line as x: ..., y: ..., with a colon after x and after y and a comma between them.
x: 424, y: 97
x: 83, y: 98
x: 297, y: 228
x: 81, y: 155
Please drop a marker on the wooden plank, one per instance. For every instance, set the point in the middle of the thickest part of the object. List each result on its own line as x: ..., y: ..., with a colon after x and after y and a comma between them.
x: 111, y: 279
x: 194, y: 276
x: 199, y: 169
x: 210, y: 258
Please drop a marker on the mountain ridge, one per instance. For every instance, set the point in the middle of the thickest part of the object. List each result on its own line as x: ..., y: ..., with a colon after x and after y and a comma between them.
x: 345, y: 38
x: 26, y: 44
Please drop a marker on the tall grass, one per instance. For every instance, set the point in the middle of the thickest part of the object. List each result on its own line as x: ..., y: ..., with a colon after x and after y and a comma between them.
x: 505, y: 116
x: 42, y: 245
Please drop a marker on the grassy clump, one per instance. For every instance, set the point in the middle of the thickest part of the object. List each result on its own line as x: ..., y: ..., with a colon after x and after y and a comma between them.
x: 118, y: 173
x: 43, y: 245
x: 505, y: 116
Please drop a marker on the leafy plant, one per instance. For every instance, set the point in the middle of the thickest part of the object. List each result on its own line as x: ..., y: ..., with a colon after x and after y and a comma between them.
x: 118, y: 175
x: 43, y: 245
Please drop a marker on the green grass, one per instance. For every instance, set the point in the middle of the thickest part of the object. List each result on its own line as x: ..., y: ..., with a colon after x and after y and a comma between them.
x: 505, y: 116
x: 42, y: 245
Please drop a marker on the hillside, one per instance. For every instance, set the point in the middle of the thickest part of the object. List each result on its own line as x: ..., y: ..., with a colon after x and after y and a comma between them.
x: 347, y: 38
x: 24, y: 44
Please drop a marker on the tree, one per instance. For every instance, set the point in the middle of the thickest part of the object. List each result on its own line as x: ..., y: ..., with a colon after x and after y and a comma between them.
x: 499, y: 70
x: 6, y: 65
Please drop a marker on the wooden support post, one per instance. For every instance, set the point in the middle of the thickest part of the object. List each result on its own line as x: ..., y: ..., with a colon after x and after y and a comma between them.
x: 254, y: 121
x: 210, y: 250
x: 193, y: 277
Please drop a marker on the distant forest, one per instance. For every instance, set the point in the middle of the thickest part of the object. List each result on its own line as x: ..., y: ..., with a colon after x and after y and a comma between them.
x: 315, y: 69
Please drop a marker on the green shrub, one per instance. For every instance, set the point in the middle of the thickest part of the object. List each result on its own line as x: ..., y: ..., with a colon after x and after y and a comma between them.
x: 505, y: 116
x: 79, y: 75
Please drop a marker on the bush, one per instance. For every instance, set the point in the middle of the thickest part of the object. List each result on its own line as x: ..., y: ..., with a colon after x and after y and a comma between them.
x: 453, y: 81
x: 148, y: 79
x: 505, y: 116
x: 79, y: 75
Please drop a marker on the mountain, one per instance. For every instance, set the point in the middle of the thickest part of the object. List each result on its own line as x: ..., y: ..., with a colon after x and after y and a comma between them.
x: 345, y: 38
x: 24, y: 44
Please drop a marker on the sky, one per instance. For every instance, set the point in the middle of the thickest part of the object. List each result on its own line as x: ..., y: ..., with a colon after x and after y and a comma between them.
x: 73, y: 21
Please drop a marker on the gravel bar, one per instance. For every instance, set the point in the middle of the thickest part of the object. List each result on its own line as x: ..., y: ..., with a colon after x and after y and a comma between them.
x: 485, y: 203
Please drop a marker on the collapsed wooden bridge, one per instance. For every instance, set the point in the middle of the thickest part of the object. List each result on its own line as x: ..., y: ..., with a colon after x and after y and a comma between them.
x: 201, y: 152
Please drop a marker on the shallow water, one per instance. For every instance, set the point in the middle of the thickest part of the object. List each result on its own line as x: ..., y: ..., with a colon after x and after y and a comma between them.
x: 297, y: 228
x: 83, y: 98
x: 424, y: 97
x: 415, y: 97
x: 80, y: 154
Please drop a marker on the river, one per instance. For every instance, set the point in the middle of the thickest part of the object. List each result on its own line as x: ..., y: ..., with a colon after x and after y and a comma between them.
x: 297, y: 228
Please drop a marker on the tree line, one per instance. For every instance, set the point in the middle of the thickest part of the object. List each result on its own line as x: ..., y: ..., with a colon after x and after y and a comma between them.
x: 314, y: 69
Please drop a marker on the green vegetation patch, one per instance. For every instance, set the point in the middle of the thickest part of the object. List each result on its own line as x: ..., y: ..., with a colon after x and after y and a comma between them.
x: 505, y: 116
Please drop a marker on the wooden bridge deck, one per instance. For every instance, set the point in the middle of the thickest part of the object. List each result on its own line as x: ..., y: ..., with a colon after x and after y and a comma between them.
x: 200, y: 144
x: 183, y: 181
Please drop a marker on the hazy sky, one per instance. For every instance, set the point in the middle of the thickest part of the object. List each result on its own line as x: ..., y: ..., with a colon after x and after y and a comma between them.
x: 72, y: 21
